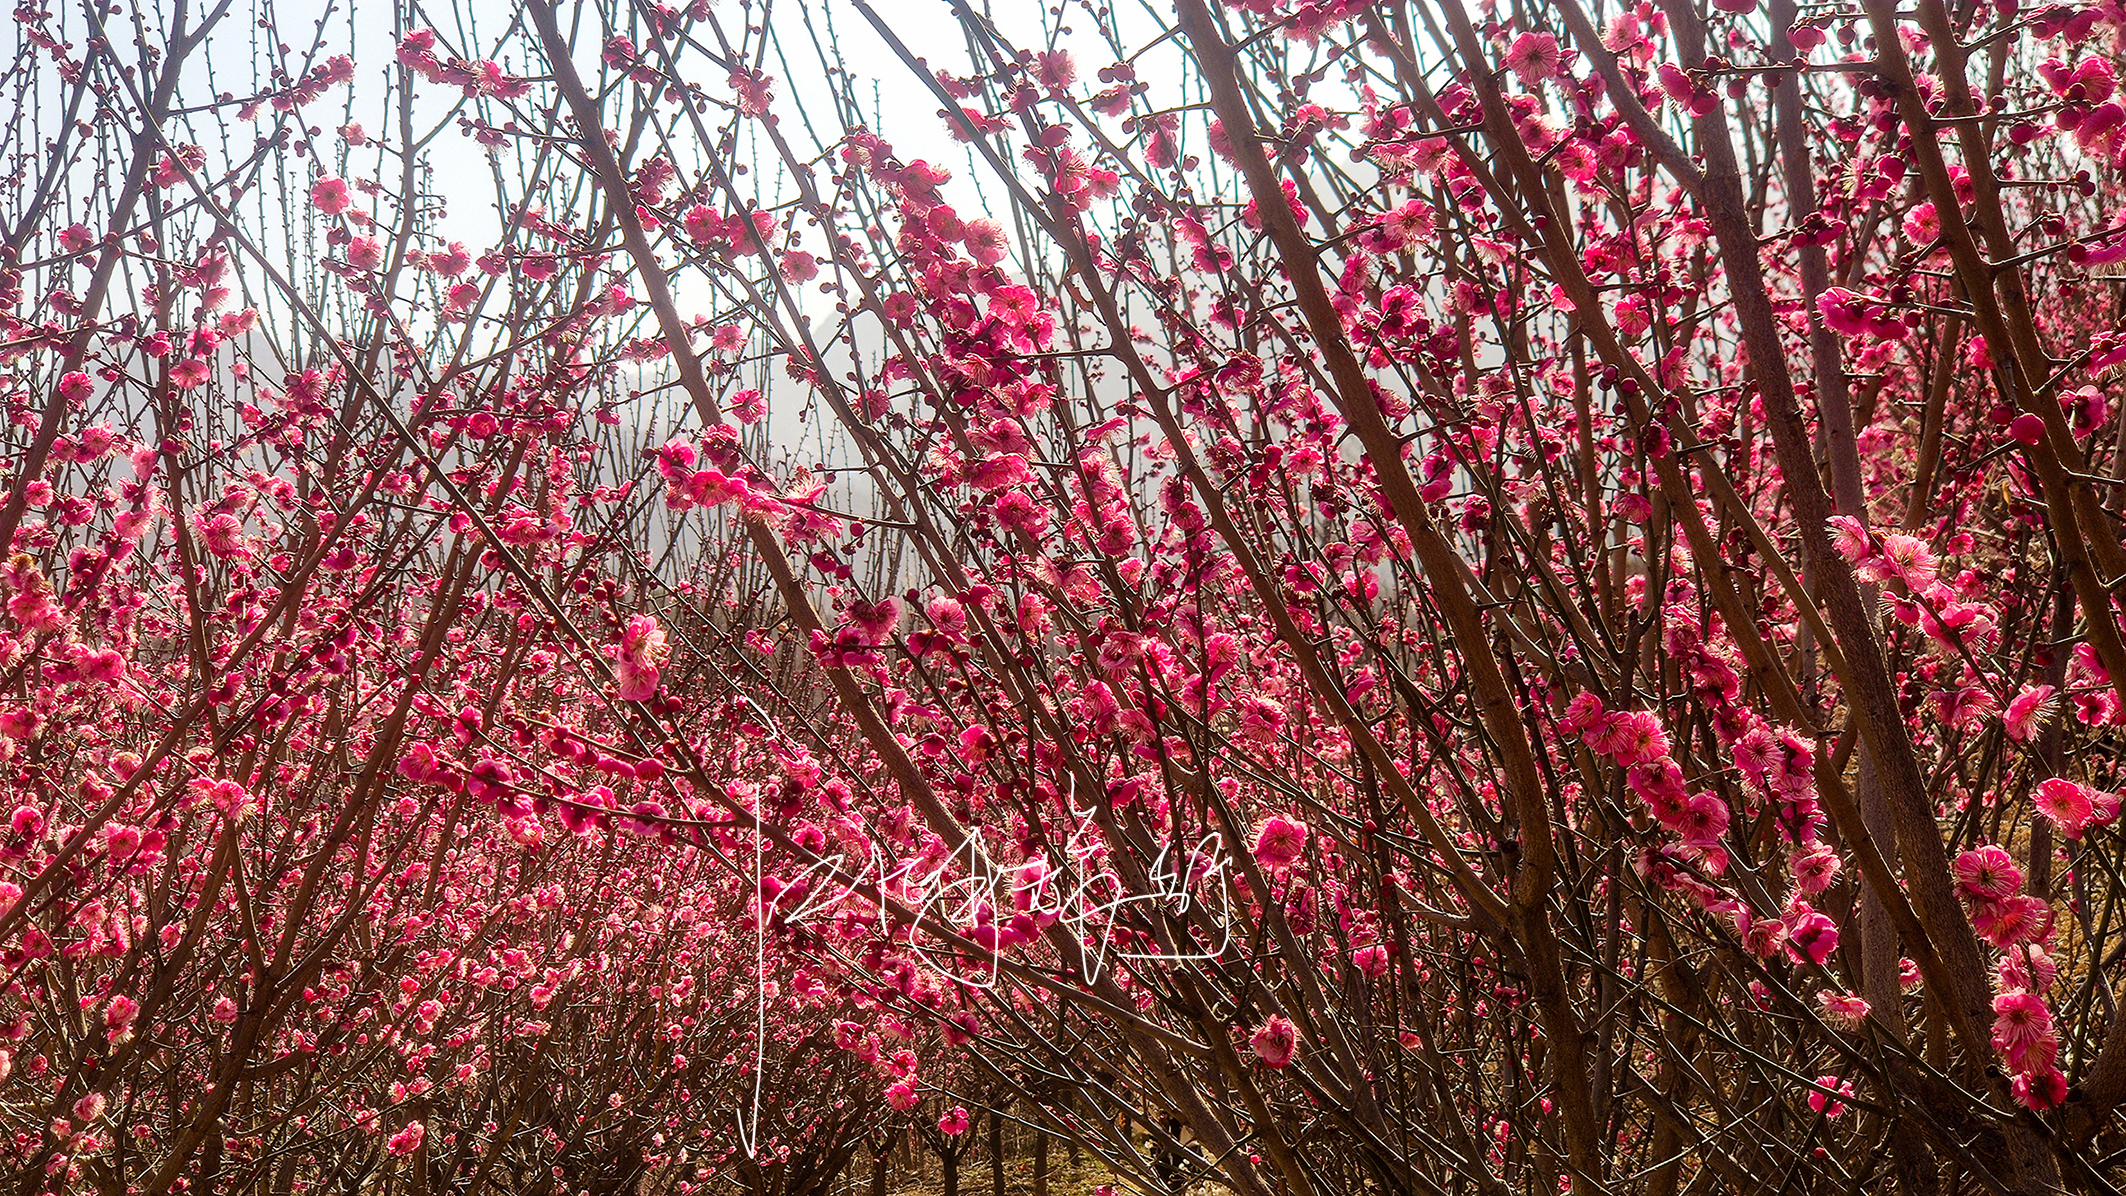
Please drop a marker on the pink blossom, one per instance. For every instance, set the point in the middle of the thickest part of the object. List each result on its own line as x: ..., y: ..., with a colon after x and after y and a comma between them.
x: 1764, y: 937
x: 636, y: 682
x: 75, y: 387
x: 2020, y: 1020
x: 1058, y: 69
x: 407, y: 1140
x: 998, y: 473
x: 1017, y: 510
x: 2040, y: 1090
x: 119, y: 1014
x: 642, y: 641
x: 1811, y: 934
x: 190, y: 374
x: 1814, y: 867
x: 226, y: 796
x: 2018, y: 919
x: 1630, y: 737
x: 120, y: 843
x: 1844, y: 312
x: 954, y: 1122
x: 1261, y: 719
x: 873, y: 623
x: 1909, y: 560
x: 1844, y: 1010
x: 2070, y: 805
x: 1660, y: 785
x: 946, y: 613
x: 752, y: 88
x: 1581, y: 713
x: 704, y: 226
x: 901, y: 1096
x: 331, y: 195
x: 1704, y: 821
x: 2027, y: 966
x: 1921, y: 225
x: 1821, y: 1102
x: 1276, y: 1041
x: 1850, y: 538
x: 1279, y: 842
x: 1408, y: 225
x: 985, y: 241
x: 1988, y: 873
x: 1534, y: 57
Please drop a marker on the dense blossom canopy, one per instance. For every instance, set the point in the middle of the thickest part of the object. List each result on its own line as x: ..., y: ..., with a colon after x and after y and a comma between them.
x: 1427, y: 596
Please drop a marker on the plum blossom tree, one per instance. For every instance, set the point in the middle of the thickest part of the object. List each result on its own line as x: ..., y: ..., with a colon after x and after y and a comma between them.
x: 1515, y: 597
x: 298, y: 885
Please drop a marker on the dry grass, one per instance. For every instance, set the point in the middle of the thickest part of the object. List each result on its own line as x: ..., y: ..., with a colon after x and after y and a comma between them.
x: 1063, y: 1179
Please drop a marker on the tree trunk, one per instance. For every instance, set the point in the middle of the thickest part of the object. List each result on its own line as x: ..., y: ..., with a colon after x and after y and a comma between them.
x: 210, y: 1165
x: 1040, y: 1165
x: 1073, y: 1105
x: 996, y: 1153
x: 951, y: 1165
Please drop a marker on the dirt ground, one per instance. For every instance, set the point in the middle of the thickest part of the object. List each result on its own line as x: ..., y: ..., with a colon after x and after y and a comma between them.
x: 1063, y: 1179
